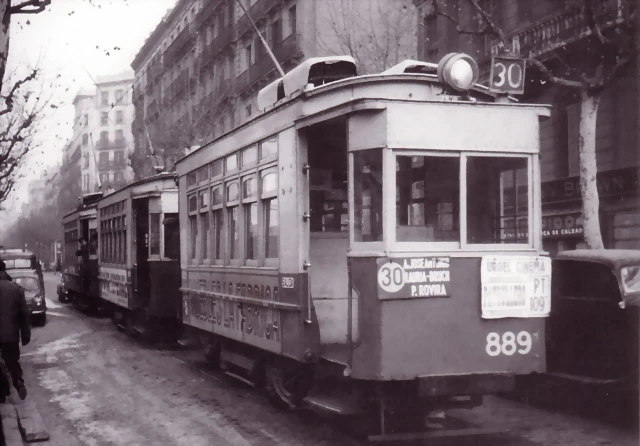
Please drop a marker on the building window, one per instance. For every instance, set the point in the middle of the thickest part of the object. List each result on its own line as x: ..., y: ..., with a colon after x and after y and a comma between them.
x: 104, y: 98
x: 86, y: 160
x: 119, y: 96
x: 104, y: 157
x: 104, y: 177
x: 119, y: 157
x: 86, y: 120
x: 118, y: 177
x: 85, y: 139
x: 119, y: 136
x: 119, y: 117
x: 104, y: 118
x: 104, y: 138
x: 431, y: 36
x: 248, y: 108
x: 293, y: 17
x: 276, y: 33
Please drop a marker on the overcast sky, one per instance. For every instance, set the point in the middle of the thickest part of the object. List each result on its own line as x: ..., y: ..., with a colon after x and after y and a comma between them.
x: 76, y: 39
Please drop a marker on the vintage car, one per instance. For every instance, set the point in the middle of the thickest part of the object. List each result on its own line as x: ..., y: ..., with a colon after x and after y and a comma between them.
x: 34, y: 293
x: 592, y: 331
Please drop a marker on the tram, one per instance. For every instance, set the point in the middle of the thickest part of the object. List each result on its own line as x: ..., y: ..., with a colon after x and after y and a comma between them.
x: 80, y: 271
x: 139, y: 274
x: 370, y: 244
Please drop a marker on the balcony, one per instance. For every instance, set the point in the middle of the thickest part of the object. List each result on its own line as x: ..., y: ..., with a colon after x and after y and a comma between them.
x: 105, y: 165
x: 224, y: 38
x: 185, y: 39
x: 107, y: 144
x: 206, y: 12
x: 286, y: 50
x: 258, y: 12
x: 561, y: 29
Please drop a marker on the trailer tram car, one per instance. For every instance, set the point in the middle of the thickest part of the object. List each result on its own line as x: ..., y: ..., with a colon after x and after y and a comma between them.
x: 81, y: 275
x: 370, y: 244
x: 139, y: 273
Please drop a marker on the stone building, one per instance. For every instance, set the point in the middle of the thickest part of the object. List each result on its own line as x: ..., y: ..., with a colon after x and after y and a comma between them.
x: 198, y: 73
x: 557, y: 33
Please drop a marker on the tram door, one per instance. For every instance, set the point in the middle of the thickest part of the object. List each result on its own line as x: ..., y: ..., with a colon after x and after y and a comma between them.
x: 329, y: 229
x: 141, y: 250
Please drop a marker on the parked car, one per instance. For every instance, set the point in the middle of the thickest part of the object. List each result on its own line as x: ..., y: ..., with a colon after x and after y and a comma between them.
x: 592, y: 333
x: 22, y: 259
x: 34, y: 293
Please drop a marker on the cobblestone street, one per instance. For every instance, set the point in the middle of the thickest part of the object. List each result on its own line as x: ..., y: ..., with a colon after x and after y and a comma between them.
x: 95, y: 386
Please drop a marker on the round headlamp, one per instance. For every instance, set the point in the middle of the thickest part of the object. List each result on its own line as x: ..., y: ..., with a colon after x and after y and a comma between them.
x: 458, y: 70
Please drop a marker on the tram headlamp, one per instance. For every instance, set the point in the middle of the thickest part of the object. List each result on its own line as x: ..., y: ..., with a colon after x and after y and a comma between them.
x: 458, y: 70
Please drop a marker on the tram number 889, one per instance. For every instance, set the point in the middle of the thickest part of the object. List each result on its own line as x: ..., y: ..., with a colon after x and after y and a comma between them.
x: 508, y: 344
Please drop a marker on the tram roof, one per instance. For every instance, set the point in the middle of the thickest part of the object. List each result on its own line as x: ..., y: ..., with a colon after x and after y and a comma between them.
x: 614, y: 258
x: 163, y: 176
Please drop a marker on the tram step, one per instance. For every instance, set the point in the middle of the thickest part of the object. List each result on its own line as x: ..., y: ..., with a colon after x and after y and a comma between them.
x: 240, y: 378
x: 336, y: 404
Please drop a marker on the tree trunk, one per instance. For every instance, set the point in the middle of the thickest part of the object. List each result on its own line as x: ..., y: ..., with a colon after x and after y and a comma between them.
x: 589, y: 169
x: 5, y: 5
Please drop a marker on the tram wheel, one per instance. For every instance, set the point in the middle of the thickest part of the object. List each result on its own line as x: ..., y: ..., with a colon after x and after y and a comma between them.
x: 212, y: 353
x: 286, y: 387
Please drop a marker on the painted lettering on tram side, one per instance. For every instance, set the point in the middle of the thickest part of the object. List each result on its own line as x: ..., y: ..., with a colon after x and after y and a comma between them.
x: 222, y: 313
x: 114, y: 286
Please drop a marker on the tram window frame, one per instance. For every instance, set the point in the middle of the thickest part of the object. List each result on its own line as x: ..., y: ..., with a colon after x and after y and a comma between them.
x: 192, y: 179
x: 217, y: 222
x: 249, y: 205
x: 269, y: 155
x: 192, y: 218
x: 412, y: 245
x: 531, y: 215
x: 234, y: 253
x: 372, y: 245
x: 267, y: 196
x: 249, y: 161
x: 155, y: 225
x: 204, y: 227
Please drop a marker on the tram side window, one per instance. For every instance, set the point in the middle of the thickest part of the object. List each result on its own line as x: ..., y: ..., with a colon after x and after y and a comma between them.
x: 154, y: 234
x: 204, y: 224
x: 193, y: 227
x: 171, y: 236
x: 217, y: 222
x: 269, y: 197
x: 427, y: 195
x: 497, y: 200
x: 233, y: 220
x: 367, y: 183
x: 250, y: 209
x: 93, y: 242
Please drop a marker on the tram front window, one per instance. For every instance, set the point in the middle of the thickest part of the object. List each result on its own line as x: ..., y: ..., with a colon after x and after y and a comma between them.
x: 497, y: 200
x: 367, y: 184
x: 427, y: 195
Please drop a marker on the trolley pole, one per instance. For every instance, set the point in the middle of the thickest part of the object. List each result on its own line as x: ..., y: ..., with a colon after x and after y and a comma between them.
x: 264, y: 42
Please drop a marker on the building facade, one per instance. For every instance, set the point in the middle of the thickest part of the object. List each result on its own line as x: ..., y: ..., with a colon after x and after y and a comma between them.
x: 198, y: 74
x: 558, y: 34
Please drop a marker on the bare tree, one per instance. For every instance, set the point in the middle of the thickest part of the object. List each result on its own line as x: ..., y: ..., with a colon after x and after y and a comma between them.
x: 17, y: 129
x: 587, y: 72
x: 377, y: 33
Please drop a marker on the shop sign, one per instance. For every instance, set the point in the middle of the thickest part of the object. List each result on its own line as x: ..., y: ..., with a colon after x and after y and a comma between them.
x: 414, y: 277
x: 613, y: 182
x: 562, y: 225
x: 515, y: 286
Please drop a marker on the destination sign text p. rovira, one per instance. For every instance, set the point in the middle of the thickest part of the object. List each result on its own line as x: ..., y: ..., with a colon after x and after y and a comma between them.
x: 414, y: 277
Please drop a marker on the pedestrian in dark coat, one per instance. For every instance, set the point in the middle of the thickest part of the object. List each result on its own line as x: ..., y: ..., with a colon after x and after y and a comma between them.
x: 14, y: 326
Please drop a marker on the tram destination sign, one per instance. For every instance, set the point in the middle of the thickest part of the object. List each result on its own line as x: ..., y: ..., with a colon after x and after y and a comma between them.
x: 507, y: 75
x: 515, y: 286
x: 414, y: 277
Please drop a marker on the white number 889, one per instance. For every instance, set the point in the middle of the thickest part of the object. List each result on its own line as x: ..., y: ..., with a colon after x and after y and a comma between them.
x: 507, y: 344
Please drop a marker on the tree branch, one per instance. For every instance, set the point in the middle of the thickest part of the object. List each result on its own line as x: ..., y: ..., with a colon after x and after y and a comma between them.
x: 29, y: 7
x: 552, y: 78
x: 593, y: 25
x: 9, y: 100
x: 437, y: 11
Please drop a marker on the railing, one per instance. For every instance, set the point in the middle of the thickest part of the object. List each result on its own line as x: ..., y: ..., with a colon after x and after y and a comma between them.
x: 257, y: 13
x: 206, y: 12
x: 287, y: 49
x: 186, y: 36
x: 111, y: 164
x: 118, y: 143
x: 556, y: 31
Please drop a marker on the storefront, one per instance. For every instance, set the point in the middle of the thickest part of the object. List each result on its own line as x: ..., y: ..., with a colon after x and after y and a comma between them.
x: 619, y: 211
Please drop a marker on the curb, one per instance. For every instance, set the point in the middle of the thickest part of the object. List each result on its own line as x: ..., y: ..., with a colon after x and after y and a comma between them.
x: 10, y: 425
